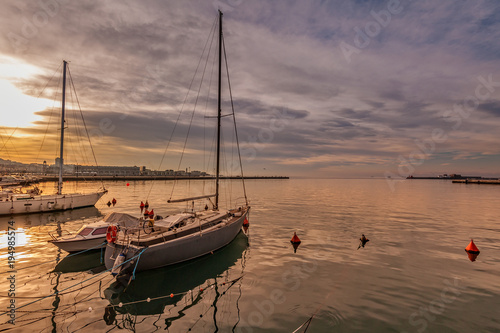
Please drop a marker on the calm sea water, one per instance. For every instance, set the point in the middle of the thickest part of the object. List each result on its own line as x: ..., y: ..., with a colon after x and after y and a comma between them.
x: 412, y: 276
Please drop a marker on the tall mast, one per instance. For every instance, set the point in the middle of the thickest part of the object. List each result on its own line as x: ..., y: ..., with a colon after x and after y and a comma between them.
x: 219, y: 112
x: 61, y: 163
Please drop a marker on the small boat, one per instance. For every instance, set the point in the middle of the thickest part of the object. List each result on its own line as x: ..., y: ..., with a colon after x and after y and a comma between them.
x: 9, y: 181
x: 36, y: 202
x: 14, y: 180
x: 183, y: 236
x: 93, y: 235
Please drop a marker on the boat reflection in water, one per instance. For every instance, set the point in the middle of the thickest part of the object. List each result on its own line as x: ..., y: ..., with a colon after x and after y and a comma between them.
x: 169, y: 285
x: 92, y: 261
x: 38, y: 219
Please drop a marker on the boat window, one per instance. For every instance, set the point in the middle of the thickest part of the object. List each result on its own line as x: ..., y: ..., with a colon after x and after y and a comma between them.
x: 85, y: 232
x: 100, y: 231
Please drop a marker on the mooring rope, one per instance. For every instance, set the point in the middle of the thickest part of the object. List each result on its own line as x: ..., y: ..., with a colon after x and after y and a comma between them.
x: 57, y: 292
x: 47, y: 262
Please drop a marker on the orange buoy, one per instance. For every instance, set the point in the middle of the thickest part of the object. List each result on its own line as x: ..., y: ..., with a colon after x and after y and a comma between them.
x: 295, y: 239
x: 472, y: 248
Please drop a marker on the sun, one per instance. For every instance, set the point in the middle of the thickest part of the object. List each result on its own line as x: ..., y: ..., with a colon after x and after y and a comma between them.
x: 16, y: 108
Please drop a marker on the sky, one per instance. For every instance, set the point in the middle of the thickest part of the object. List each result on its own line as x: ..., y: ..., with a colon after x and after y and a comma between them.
x: 320, y: 88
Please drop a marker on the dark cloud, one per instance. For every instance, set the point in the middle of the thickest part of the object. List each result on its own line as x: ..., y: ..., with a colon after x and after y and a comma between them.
x: 492, y: 108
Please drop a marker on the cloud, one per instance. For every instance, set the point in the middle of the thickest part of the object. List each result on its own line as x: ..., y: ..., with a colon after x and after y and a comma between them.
x: 132, y: 65
x: 492, y: 108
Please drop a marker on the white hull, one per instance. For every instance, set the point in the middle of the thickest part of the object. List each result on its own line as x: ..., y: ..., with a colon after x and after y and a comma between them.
x: 26, y: 204
x: 80, y: 245
x: 90, y: 236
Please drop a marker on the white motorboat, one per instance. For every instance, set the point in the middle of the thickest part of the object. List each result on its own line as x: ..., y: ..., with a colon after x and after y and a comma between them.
x: 93, y: 235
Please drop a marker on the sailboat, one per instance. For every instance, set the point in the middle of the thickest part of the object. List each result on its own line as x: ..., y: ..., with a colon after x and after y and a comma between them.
x: 34, y: 201
x: 178, y: 237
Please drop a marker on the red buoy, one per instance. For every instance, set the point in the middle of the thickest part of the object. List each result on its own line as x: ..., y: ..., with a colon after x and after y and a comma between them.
x: 113, y: 202
x: 151, y: 213
x: 141, y: 206
x: 472, y: 248
x: 146, y: 213
x: 472, y: 256
x: 295, y: 239
x: 146, y: 205
x: 246, y: 223
x: 128, y: 184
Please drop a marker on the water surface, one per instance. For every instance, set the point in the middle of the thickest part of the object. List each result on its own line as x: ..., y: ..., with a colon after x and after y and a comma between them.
x: 412, y: 276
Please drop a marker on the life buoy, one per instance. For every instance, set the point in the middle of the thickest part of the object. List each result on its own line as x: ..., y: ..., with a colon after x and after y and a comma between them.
x: 111, y: 233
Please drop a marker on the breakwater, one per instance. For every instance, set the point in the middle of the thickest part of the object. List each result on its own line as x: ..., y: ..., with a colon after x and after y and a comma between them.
x: 146, y: 177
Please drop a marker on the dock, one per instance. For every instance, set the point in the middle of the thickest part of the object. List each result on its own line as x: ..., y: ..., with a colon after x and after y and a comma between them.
x: 147, y: 177
x: 478, y: 181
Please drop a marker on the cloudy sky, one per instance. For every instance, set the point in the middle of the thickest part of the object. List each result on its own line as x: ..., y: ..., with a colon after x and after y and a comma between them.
x: 321, y: 88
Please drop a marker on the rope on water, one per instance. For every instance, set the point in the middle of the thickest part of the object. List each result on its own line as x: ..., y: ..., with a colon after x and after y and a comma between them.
x: 47, y: 262
x: 57, y: 292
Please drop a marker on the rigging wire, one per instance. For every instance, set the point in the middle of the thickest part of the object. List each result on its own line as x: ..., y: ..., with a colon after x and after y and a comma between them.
x: 6, y: 141
x: 51, y: 110
x: 205, y: 163
x: 47, y: 128
x: 78, y: 134
x: 212, y: 33
x: 57, y: 292
x: 182, y: 107
x: 234, y: 119
x: 84, y: 124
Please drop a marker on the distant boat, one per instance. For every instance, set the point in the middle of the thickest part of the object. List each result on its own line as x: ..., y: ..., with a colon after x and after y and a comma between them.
x: 35, y: 202
x: 6, y: 181
x: 184, y: 236
x: 14, y: 180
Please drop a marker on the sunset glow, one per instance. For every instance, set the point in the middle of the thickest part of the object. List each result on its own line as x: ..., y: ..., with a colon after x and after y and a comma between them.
x: 328, y: 89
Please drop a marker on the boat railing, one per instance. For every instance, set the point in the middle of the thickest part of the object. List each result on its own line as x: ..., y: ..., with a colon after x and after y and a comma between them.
x: 63, y: 233
x: 240, y: 202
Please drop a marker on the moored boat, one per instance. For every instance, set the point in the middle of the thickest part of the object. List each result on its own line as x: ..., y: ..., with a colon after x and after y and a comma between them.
x: 36, y: 202
x: 93, y: 235
x: 183, y: 236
